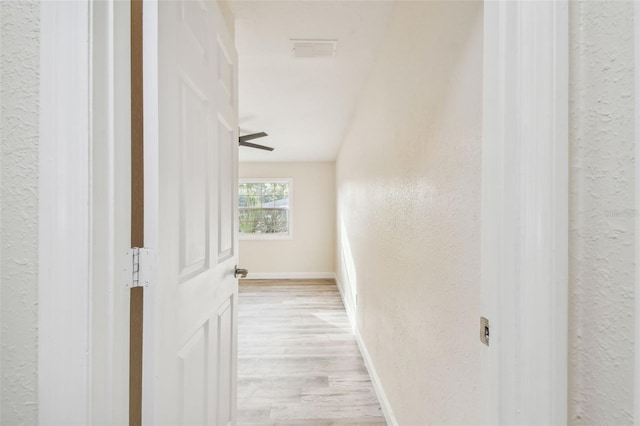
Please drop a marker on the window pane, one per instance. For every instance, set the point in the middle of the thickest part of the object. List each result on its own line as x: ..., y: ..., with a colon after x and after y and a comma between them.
x: 264, y: 208
x: 264, y: 221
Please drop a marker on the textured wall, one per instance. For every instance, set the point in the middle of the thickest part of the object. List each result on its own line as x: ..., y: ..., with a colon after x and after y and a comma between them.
x: 312, y: 248
x: 19, y: 98
x: 602, y: 218
x: 408, y: 212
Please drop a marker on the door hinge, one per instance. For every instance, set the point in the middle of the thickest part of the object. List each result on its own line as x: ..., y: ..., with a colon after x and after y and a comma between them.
x: 140, y: 267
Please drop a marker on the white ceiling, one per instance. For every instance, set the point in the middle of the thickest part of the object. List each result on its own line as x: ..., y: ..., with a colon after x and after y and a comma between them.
x: 304, y: 104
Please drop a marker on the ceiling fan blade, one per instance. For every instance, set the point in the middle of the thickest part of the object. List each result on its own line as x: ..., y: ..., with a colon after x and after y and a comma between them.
x: 255, y: 145
x: 252, y: 136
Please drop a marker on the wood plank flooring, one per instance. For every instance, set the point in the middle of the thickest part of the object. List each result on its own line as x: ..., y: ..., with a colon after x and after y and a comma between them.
x: 298, y: 361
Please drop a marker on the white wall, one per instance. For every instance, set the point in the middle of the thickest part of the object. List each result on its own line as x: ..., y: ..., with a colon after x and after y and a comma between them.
x: 311, y: 251
x: 19, y: 62
x: 602, y: 215
x: 408, y: 212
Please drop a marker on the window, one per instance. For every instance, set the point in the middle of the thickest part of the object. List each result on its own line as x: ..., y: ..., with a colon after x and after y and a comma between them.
x: 265, y: 208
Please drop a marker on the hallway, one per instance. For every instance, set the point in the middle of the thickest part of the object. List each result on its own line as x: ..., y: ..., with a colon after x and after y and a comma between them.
x: 298, y: 360
x: 464, y: 176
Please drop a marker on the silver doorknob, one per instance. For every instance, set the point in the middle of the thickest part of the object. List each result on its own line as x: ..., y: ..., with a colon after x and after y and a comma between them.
x: 241, y: 272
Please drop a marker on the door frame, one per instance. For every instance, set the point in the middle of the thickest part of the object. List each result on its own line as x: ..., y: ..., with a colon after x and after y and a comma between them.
x: 151, y: 197
x: 636, y: 12
x: 64, y: 290
x: 525, y: 212
x: 110, y: 205
x: 83, y: 338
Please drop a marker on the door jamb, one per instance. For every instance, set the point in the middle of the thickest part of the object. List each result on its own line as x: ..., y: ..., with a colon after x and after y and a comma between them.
x: 110, y: 120
x: 525, y: 212
x: 136, y: 310
x: 151, y: 197
x: 84, y: 123
x: 64, y: 293
x: 636, y: 10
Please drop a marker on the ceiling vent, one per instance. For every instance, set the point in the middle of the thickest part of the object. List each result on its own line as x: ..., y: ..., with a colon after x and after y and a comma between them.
x: 313, y: 48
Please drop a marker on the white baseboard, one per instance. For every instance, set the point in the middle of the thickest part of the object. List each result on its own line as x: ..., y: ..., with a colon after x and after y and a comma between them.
x: 375, y: 380
x: 290, y: 275
x: 347, y: 307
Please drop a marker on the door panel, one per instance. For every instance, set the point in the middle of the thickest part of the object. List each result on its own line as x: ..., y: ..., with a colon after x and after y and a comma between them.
x: 193, y: 358
x: 225, y: 72
x: 226, y: 190
x: 225, y: 357
x: 195, y: 298
x: 194, y: 191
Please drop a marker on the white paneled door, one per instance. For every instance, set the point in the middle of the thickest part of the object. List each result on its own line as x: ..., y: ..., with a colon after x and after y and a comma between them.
x: 191, y: 177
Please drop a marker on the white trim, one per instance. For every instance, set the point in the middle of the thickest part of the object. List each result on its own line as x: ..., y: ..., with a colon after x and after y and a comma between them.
x: 64, y: 293
x: 368, y: 362
x: 525, y: 212
x: 110, y: 210
x: 102, y: 169
x: 290, y: 275
x: 271, y: 237
x: 636, y: 9
x: 347, y: 306
x: 264, y: 179
x: 267, y: 237
x: 102, y: 213
x: 375, y: 380
x: 151, y: 200
x: 1, y: 223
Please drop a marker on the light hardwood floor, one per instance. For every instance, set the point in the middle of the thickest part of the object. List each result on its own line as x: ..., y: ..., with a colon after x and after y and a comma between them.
x: 299, y: 363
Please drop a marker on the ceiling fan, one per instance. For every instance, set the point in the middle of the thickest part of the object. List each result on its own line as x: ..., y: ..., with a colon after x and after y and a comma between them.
x: 243, y: 140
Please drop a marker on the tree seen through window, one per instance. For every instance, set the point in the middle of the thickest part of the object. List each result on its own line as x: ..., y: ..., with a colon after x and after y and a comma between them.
x: 264, y: 207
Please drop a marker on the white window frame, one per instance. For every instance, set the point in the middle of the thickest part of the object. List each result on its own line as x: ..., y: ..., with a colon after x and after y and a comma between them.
x: 289, y: 235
